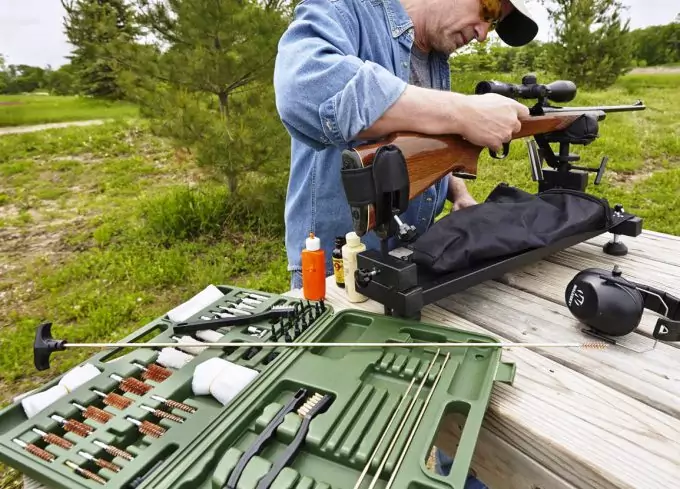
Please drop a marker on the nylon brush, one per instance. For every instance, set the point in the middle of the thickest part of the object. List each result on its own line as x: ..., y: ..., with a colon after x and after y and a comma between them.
x: 132, y: 385
x: 73, y: 426
x: 53, y: 439
x: 84, y: 472
x: 314, y: 406
x: 114, y: 400
x: 111, y: 450
x: 94, y: 413
x: 34, y: 450
x: 148, y: 428
x: 154, y: 372
x: 175, y: 404
x: 162, y: 414
x: 100, y: 462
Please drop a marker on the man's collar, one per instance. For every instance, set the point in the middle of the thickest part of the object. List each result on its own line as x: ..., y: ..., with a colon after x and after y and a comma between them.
x: 397, y: 17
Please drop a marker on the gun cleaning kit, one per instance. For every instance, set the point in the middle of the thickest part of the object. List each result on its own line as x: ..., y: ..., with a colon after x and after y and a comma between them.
x: 510, y: 229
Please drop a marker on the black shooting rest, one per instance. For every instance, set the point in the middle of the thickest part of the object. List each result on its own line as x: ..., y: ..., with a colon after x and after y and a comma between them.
x: 404, y: 288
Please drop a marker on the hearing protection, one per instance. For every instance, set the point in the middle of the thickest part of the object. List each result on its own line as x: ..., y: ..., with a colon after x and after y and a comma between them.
x: 612, y: 305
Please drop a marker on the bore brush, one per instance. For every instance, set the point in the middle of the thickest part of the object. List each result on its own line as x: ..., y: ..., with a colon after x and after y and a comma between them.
x: 116, y: 452
x: 34, y: 450
x: 84, y: 472
x: 80, y: 429
x: 53, y: 439
x: 94, y: 413
x: 174, y: 404
x: 147, y: 427
x: 104, y: 464
x: 114, y: 400
x: 130, y: 384
x: 154, y: 372
x: 162, y: 414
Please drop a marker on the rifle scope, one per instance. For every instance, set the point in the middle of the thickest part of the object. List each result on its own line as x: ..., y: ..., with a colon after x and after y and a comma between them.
x: 558, y: 91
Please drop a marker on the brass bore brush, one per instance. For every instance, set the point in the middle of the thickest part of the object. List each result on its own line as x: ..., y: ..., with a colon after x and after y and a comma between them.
x: 132, y: 385
x: 94, y: 413
x: 147, y: 427
x: 84, y: 472
x: 80, y: 429
x: 175, y: 404
x: 100, y: 462
x: 116, y: 452
x: 162, y: 414
x: 34, y: 450
x: 154, y: 372
x: 114, y: 400
x: 53, y: 439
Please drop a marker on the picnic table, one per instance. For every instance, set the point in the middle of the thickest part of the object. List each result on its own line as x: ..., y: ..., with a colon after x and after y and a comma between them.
x: 573, y: 418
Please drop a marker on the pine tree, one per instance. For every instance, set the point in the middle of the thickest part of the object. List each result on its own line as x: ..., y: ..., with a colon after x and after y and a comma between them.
x: 592, y: 46
x: 206, y: 81
x: 96, y: 29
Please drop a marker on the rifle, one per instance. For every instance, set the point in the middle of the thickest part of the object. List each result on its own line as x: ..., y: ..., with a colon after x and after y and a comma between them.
x: 380, y: 178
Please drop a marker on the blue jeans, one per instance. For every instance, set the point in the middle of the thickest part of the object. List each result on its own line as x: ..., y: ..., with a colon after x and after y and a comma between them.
x: 443, y: 465
x: 295, y: 280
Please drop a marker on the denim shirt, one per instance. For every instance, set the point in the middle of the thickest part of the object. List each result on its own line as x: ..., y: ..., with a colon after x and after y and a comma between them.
x: 340, y: 65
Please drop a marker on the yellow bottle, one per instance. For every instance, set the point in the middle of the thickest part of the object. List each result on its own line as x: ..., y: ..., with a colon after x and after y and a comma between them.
x: 349, y: 265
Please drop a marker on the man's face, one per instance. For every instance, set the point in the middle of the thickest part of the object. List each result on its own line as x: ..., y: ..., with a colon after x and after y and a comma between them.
x: 456, y: 23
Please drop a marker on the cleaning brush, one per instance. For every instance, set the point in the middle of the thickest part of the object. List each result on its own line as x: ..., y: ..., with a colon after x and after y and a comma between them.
x: 116, y: 452
x: 130, y: 384
x: 114, y: 400
x: 154, y: 372
x: 104, y: 464
x: 91, y: 412
x: 84, y: 472
x: 162, y: 414
x: 53, y: 439
x: 80, y: 429
x: 34, y: 450
x: 174, y: 404
x: 147, y: 427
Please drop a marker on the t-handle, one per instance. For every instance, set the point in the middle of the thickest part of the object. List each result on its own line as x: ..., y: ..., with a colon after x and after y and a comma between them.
x: 44, y: 345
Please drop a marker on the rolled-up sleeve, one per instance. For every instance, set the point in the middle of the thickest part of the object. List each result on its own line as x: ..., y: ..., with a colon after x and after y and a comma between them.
x: 325, y: 94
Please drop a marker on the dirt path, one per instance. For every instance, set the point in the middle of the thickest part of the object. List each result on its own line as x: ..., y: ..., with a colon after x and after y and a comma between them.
x: 42, y: 127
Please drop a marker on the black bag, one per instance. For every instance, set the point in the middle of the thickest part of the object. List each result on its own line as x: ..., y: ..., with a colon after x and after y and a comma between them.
x: 508, y: 222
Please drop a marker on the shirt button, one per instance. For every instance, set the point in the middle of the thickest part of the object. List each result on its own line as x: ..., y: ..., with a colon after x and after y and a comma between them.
x: 429, y: 199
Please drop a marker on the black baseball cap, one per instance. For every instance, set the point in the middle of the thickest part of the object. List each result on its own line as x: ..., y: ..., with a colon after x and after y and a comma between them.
x: 518, y: 27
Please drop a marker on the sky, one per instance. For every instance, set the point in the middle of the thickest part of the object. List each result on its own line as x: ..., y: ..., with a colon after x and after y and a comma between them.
x: 31, y: 31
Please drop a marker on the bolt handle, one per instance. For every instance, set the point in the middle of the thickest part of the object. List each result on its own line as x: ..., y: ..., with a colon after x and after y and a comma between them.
x: 44, y: 345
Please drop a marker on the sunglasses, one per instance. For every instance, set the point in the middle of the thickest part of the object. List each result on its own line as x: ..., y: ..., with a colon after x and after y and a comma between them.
x: 491, y: 11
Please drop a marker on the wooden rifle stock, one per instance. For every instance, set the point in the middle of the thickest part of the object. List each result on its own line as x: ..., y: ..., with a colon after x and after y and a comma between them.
x: 431, y: 157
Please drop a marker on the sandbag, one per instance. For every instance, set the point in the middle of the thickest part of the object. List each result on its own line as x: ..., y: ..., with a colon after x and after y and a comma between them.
x: 508, y: 222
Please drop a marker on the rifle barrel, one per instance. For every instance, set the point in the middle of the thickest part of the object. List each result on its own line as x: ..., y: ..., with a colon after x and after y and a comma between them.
x: 603, y: 108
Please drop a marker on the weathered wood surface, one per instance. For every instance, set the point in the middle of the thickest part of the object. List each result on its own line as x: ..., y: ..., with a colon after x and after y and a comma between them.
x: 572, y: 419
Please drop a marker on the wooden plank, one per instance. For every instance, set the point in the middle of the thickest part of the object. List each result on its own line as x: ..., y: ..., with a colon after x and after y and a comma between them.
x: 652, y: 377
x: 637, y: 268
x: 584, y: 432
x: 647, y: 245
x: 549, y: 281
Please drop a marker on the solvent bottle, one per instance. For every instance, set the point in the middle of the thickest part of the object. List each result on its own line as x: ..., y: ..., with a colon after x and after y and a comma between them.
x: 338, y: 271
x: 349, y: 262
x: 313, y: 269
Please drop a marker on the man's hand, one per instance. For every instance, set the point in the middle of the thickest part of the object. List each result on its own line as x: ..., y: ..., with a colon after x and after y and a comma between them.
x: 458, y: 194
x: 490, y: 120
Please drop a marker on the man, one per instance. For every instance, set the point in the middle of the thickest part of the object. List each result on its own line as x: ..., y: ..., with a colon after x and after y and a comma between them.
x: 349, y: 71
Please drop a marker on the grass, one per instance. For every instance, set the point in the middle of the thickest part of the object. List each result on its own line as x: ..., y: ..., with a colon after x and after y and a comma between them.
x: 19, y: 110
x: 103, y: 228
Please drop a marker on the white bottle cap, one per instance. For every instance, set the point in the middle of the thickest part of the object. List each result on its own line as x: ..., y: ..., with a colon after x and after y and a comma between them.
x: 353, y: 239
x: 312, y: 243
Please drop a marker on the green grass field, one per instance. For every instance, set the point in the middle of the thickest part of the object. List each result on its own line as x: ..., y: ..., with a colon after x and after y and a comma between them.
x: 103, y: 228
x: 20, y: 110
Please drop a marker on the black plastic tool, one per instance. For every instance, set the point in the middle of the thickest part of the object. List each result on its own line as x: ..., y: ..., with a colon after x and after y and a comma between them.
x: 213, y: 324
x: 316, y: 407
x: 265, y: 436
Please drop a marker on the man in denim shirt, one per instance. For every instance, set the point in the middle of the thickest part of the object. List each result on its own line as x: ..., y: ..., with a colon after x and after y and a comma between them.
x: 349, y: 71
x: 344, y: 76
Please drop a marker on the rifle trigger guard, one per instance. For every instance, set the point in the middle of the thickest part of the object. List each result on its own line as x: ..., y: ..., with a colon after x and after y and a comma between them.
x: 506, y: 150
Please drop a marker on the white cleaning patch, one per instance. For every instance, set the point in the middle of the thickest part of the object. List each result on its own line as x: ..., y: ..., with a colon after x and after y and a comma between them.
x: 70, y: 381
x: 223, y: 379
x: 171, y: 358
x: 198, y: 302
x: 209, y: 335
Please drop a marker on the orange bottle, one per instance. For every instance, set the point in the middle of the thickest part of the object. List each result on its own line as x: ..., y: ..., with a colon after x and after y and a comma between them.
x: 313, y: 269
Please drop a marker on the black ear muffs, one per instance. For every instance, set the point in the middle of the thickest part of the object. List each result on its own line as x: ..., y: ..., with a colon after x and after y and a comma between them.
x: 612, y: 305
